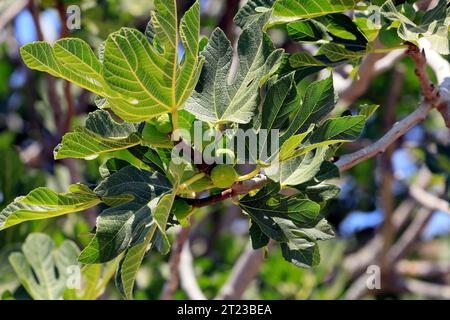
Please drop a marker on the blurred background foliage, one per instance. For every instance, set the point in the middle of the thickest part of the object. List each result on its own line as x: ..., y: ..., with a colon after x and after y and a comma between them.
x: 35, y: 110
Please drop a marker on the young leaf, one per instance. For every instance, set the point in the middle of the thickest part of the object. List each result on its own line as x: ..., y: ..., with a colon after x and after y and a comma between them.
x: 41, y: 268
x: 101, y: 134
x: 217, y: 101
x: 43, y: 203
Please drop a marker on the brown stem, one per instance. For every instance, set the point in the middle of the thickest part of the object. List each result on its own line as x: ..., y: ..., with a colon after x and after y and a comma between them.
x: 428, y: 90
x: 241, y: 187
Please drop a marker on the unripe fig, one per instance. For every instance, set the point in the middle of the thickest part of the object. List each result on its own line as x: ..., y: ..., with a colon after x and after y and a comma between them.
x: 163, y: 123
x: 223, y: 176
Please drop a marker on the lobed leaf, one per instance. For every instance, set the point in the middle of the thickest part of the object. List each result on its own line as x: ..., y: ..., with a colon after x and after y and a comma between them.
x: 43, y: 269
x: 218, y: 101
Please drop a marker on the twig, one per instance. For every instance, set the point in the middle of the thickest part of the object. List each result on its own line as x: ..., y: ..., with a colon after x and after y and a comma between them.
x: 431, y: 94
x: 241, y: 187
x: 439, y: 99
x: 358, y: 289
x: 423, y: 269
x: 423, y: 288
x: 171, y: 285
x: 11, y: 12
x: 398, y: 130
x: 411, y: 234
x: 372, y: 65
x: 187, y: 274
x: 429, y: 200
x: 244, y: 271
x: 428, y: 90
x: 357, y: 262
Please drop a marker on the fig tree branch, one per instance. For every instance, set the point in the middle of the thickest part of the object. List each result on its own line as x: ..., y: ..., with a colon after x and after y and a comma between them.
x: 433, y: 98
x: 238, y: 188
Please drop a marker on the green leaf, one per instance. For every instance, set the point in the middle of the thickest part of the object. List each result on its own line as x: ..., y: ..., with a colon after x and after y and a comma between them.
x: 156, y: 234
x: 336, y: 52
x: 118, y: 226
x: 288, y: 10
x: 321, y: 231
x: 43, y: 203
x: 95, y: 278
x: 341, y: 129
x: 367, y: 110
x: 290, y: 146
x: 299, y: 169
x: 259, y: 239
x: 153, y: 138
x: 320, y: 193
x: 293, y: 221
x: 307, y: 31
x: 318, y: 101
x: 138, y: 80
x: 101, y: 134
x: 280, y: 100
x: 305, y: 59
x: 302, y: 256
x: 251, y: 11
x: 150, y: 76
x: 215, y: 99
x: 150, y: 157
x: 434, y: 25
x: 70, y: 59
x: 130, y: 263
x: 42, y: 269
x: 268, y: 205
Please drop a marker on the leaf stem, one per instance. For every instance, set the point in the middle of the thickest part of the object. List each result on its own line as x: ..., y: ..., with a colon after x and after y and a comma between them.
x: 249, y: 175
x: 175, y: 133
x: 385, y: 50
x: 190, y: 181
